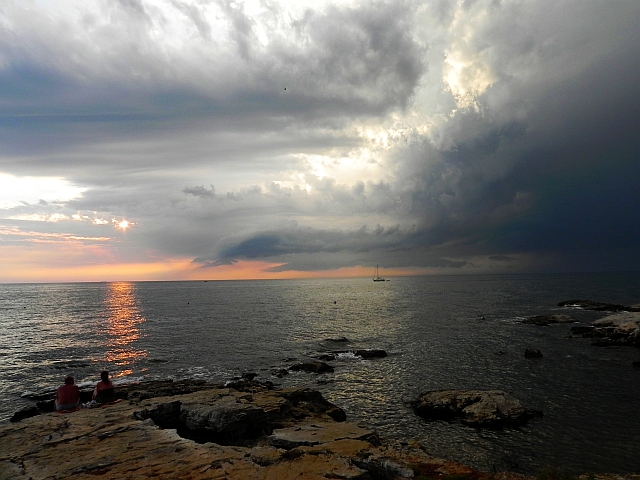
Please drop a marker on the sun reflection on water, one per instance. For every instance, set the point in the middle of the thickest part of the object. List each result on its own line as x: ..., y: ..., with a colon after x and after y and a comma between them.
x: 122, y: 324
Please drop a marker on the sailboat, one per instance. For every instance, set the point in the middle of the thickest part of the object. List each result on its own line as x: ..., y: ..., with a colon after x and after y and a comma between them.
x: 376, y: 277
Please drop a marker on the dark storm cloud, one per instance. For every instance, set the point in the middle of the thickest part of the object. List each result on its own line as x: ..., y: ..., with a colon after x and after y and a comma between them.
x: 510, y: 129
x: 307, y: 248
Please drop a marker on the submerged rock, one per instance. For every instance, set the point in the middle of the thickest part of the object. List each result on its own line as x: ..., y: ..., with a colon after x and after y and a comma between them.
x: 371, y: 353
x: 312, y: 366
x: 583, y: 330
x: 365, y: 353
x: 532, y: 353
x: 475, y: 408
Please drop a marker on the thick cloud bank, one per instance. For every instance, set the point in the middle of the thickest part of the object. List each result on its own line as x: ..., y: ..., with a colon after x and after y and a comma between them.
x: 446, y: 136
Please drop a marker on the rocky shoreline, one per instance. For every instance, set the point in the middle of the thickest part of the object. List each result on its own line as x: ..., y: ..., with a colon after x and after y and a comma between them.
x: 245, y: 429
x: 241, y: 430
x: 620, y: 328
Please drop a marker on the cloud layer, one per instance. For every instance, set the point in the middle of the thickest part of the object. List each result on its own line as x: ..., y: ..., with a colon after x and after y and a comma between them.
x: 449, y: 136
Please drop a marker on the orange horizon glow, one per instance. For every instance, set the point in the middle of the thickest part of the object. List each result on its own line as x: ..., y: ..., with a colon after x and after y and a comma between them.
x: 181, y: 269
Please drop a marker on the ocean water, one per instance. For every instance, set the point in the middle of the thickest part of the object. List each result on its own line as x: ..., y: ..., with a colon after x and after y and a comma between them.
x: 440, y: 332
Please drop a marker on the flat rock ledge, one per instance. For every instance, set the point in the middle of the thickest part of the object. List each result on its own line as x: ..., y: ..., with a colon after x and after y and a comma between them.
x: 249, y: 431
x: 475, y: 408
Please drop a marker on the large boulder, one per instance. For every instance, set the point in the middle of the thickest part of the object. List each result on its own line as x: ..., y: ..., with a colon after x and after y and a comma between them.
x: 475, y: 408
x: 225, y: 416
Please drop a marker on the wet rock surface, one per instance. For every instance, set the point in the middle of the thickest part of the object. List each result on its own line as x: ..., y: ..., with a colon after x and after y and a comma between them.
x: 475, y: 408
x: 252, y: 432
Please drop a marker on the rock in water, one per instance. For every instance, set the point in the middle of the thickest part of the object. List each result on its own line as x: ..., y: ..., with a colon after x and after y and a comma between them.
x: 532, y: 353
x: 620, y: 328
x: 475, y: 408
x: 312, y: 366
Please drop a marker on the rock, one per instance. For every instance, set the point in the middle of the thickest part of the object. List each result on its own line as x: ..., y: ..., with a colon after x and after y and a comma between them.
x: 141, y: 438
x: 371, y: 353
x: 475, y: 408
x: 598, y: 306
x: 312, y: 366
x: 582, y: 329
x: 280, y: 372
x: 25, y: 412
x: 618, y: 329
x: 313, y: 401
x: 327, y: 357
x: 227, y: 415
x: 320, y: 432
x: 544, y: 320
x: 382, y: 467
x: 532, y: 353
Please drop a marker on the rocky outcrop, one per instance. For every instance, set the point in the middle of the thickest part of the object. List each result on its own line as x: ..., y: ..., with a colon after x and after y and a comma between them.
x: 138, y: 391
x: 598, y: 306
x: 618, y: 329
x: 544, y: 320
x: 255, y: 432
x: 475, y: 408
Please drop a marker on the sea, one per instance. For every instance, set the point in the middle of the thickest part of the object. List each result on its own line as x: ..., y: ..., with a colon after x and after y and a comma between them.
x: 440, y: 332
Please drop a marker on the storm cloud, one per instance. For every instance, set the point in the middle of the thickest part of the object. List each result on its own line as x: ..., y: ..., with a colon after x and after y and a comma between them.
x: 449, y: 136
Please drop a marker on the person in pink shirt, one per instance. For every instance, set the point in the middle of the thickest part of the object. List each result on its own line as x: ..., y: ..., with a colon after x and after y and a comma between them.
x: 68, y: 395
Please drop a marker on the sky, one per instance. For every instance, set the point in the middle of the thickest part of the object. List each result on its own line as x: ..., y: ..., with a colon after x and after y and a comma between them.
x: 217, y: 139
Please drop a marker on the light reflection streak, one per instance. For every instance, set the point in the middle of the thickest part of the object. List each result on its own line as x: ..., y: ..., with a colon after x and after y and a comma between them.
x: 122, y: 325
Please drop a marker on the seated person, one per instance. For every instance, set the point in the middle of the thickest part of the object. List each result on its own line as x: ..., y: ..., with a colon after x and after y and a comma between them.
x: 104, y: 391
x: 68, y: 395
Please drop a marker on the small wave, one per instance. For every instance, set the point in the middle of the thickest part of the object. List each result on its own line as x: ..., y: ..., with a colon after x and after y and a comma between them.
x: 348, y: 356
x: 341, y: 339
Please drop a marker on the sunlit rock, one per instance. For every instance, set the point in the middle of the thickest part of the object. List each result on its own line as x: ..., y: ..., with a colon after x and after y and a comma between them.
x: 475, y: 408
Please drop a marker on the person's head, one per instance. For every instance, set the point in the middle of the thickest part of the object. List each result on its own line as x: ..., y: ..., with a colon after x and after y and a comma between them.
x: 104, y: 375
x: 68, y: 380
